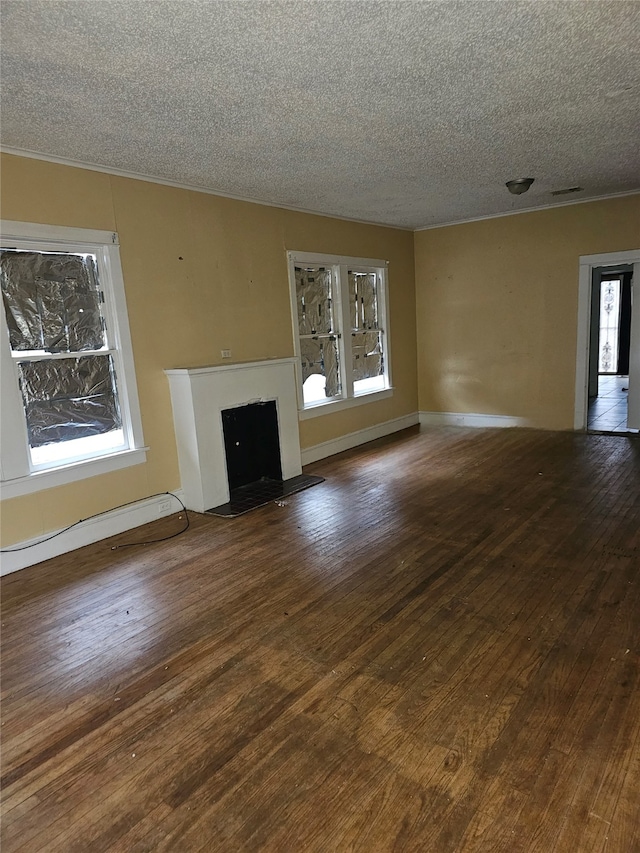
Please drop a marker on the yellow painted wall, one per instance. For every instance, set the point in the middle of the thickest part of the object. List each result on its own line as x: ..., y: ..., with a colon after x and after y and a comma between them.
x: 229, y: 291
x: 496, y: 305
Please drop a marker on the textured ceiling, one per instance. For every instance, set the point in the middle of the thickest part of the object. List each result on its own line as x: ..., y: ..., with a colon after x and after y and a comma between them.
x: 405, y: 113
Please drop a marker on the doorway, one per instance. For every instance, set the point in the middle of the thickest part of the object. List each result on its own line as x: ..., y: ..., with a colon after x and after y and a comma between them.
x: 607, y: 383
x: 609, y: 349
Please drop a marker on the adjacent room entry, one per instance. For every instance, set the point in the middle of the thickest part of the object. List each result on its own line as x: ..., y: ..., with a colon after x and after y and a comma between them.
x: 609, y: 349
x: 607, y: 390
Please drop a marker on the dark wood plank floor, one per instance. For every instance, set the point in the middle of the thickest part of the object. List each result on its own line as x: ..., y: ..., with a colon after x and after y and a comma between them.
x: 437, y: 649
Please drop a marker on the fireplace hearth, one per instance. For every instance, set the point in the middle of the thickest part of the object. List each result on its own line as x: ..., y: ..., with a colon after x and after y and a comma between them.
x: 262, y: 492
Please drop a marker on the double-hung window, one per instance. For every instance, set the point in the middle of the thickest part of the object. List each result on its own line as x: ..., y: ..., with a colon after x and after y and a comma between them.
x: 69, y: 400
x: 341, y: 330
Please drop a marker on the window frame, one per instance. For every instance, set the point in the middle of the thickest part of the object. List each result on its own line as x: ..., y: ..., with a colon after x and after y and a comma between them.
x: 340, y: 266
x: 18, y: 475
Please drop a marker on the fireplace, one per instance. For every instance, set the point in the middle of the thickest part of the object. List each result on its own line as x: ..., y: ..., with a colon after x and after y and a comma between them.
x: 251, y: 445
x: 205, y: 399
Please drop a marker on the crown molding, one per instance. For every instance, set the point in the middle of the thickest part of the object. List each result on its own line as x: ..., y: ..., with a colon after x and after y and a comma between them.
x: 528, y: 210
x: 154, y: 179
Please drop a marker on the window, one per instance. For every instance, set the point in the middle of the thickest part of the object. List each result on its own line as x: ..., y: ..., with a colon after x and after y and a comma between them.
x: 69, y: 399
x: 608, y: 343
x: 341, y: 333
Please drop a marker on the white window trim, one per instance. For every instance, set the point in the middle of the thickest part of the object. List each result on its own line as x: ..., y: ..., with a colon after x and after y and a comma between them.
x: 17, y: 476
x: 342, y: 264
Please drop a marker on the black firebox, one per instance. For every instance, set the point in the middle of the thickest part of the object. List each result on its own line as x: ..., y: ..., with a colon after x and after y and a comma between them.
x: 252, y: 444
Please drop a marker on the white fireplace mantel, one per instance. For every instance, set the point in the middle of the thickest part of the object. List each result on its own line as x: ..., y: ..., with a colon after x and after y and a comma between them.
x: 199, y: 396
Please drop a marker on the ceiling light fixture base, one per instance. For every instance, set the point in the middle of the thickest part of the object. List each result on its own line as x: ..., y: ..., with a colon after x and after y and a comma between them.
x: 519, y: 185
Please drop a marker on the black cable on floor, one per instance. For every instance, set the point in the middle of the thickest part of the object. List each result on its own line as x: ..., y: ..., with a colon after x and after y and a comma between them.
x: 104, y: 512
x: 164, y: 538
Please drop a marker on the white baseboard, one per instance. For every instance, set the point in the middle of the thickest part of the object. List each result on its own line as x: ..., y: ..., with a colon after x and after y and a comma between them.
x: 91, y: 530
x: 353, y: 439
x: 469, y: 420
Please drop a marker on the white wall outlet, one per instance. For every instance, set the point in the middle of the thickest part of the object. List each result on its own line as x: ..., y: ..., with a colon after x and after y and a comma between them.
x: 225, y: 353
x: 164, y: 506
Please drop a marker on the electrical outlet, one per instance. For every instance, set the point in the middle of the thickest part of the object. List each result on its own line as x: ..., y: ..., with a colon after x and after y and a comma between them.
x: 164, y: 506
x: 225, y: 353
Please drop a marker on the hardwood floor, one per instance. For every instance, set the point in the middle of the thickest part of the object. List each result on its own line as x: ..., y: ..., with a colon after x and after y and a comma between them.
x: 437, y: 649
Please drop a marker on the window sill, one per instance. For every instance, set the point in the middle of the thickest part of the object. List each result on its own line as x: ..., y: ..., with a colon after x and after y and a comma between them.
x: 332, y: 406
x: 41, y: 480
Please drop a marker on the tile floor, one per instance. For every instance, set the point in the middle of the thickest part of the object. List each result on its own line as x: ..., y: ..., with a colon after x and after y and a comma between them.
x: 608, y: 411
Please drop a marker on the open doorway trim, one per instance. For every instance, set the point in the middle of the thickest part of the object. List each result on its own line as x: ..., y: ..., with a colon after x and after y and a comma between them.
x: 587, y: 264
